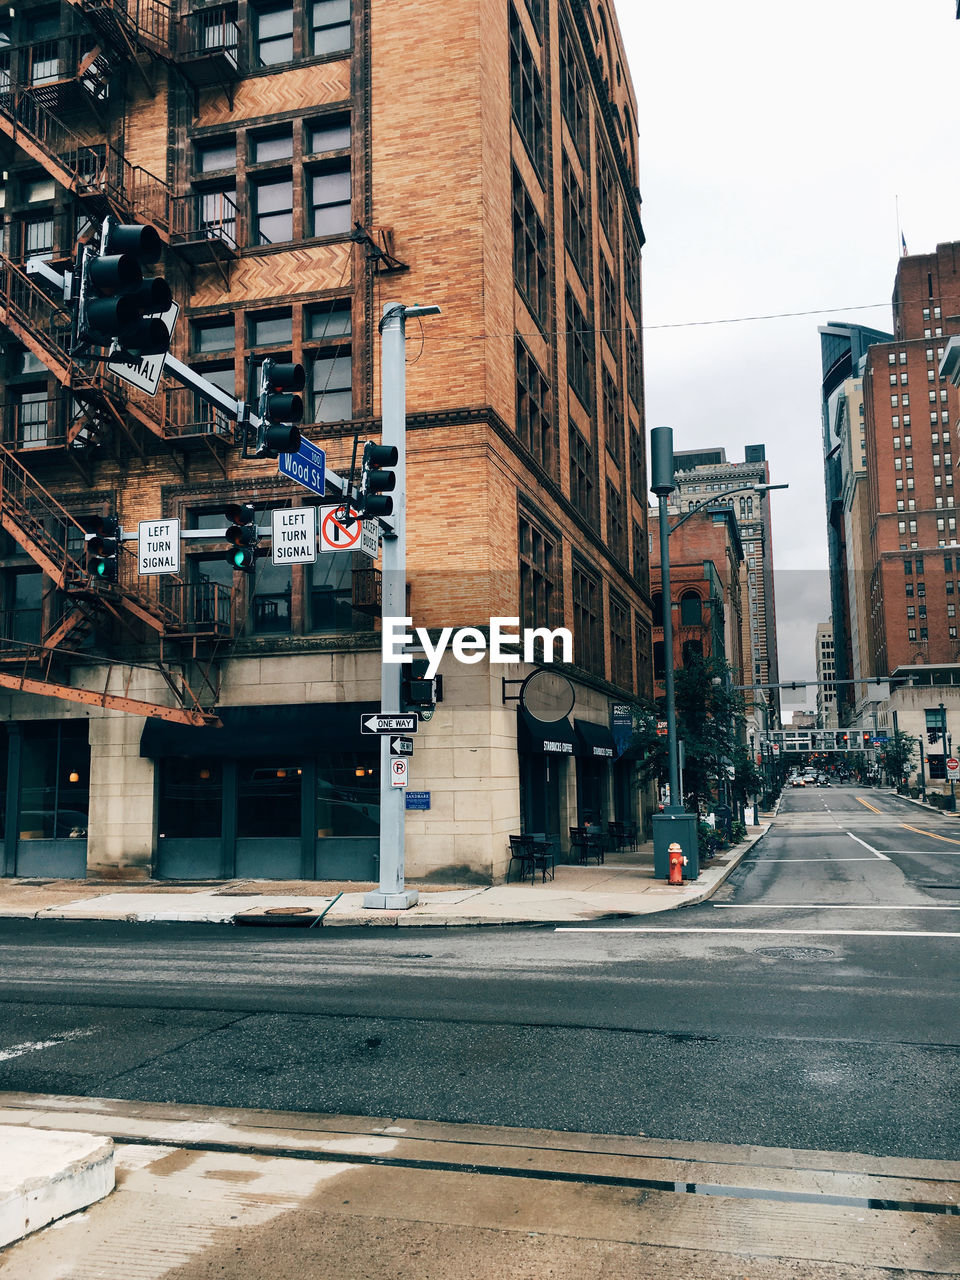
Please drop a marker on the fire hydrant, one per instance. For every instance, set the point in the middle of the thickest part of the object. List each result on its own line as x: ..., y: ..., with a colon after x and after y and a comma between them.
x: 677, y: 863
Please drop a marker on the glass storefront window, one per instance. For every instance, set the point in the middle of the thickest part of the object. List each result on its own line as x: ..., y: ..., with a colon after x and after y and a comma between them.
x: 55, y: 781
x: 272, y: 598
x: 348, y: 794
x: 268, y: 799
x: 191, y: 799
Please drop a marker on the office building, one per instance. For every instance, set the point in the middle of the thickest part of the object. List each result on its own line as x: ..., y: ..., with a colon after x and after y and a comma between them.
x: 826, y: 717
x: 306, y: 166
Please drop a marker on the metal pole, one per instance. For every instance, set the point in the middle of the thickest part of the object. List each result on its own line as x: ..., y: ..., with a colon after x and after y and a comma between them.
x: 953, y: 789
x: 923, y: 776
x: 676, y: 800
x: 391, y: 893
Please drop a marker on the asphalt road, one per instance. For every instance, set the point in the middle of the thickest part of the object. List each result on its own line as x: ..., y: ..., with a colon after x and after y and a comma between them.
x: 812, y: 1003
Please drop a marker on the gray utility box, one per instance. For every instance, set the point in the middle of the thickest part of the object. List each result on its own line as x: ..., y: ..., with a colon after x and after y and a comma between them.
x: 681, y: 828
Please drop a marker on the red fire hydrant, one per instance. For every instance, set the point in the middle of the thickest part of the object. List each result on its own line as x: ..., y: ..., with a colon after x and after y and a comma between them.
x: 677, y: 863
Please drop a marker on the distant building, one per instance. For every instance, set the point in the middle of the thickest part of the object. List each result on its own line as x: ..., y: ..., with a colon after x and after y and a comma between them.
x: 701, y: 473
x: 843, y: 349
x: 803, y: 720
x: 908, y: 409
x: 706, y: 558
x: 826, y: 717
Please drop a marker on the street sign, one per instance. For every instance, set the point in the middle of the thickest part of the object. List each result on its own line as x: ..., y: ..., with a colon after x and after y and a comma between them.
x: 145, y: 372
x: 158, y: 546
x: 389, y: 724
x: 398, y: 772
x: 661, y: 728
x: 401, y: 746
x: 307, y: 466
x: 370, y: 538
x: 953, y: 769
x: 294, y: 535
x: 417, y: 799
x: 340, y: 534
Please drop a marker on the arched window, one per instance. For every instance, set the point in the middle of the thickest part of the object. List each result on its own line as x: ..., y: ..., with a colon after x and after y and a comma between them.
x: 659, y: 669
x: 691, y: 609
x: 656, y: 605
x: 692, y: 652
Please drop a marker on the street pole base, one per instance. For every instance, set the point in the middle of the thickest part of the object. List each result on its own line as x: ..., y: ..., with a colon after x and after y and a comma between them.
x: 378, y: 900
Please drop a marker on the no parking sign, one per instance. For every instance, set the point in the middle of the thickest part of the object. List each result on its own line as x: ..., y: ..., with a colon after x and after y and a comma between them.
x: 398, y: 771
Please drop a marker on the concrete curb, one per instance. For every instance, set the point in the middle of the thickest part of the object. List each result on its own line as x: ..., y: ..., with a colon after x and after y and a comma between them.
x: 49, y: 1174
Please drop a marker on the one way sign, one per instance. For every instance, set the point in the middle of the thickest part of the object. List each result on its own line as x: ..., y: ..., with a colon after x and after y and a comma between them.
x: 401, y: 746
x: 389, y: 724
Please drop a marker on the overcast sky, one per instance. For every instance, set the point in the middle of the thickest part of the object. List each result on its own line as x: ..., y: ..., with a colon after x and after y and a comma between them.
x: 775, y: 140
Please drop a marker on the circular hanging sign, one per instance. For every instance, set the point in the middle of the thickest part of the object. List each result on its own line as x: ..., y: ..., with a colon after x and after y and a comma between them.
x: 547, y: 696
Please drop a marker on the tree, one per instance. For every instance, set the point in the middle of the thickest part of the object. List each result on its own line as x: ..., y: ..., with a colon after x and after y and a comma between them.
x: 896, y: 756
x: 709, y: 716
x: 747, y: 778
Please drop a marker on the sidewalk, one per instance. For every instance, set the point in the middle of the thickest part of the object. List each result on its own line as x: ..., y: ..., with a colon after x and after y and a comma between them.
x: 623, y: 886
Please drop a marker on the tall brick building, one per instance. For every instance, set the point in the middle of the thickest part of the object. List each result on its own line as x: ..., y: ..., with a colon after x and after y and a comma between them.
x: 306, y: 165
x: 908, y: 409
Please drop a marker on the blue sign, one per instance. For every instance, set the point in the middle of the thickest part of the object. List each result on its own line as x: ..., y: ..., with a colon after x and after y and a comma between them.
x: 307, y: 466
x: 417, y: 799
x: 621, y: 726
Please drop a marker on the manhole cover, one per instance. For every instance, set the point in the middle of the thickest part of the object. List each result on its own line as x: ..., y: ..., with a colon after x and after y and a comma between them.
x: 288, y: 911
x: 796, y: 953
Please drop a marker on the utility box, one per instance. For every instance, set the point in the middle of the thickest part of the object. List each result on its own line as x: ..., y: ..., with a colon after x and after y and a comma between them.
x: 667, y: 828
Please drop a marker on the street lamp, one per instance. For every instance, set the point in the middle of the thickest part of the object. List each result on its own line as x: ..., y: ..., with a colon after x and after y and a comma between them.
x: 710, y: 502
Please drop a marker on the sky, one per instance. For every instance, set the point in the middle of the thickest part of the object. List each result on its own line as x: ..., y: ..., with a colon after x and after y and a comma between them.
x: 782, y: 149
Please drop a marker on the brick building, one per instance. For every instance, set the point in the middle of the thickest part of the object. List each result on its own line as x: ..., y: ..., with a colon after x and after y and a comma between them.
x: 706, y: 581
x: 908, y: 409
x: 306, y: 165
x: 700, y: 473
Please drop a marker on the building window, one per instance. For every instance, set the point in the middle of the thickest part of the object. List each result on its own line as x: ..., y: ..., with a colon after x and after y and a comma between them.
x: 271, y: 328
x: 273, y: 211
x: 581, y: 473
x: 621, y: 658
x: 540, y: 580
x: 332, y: 384
x: 214, y: 335
x: 267, y: 147
x: 329, y: 213
x: 911, y: 633
x: 639, y: 552
x: 529, y: 252
x: 587, y: 620
x: 609, y: 306
x: 330, y: 26
x: 616, y: 527
x: 331, y: 133
x: 691, y: 609
x: 573, y: 92
x: 579, y: 352
x: 54, y: 780
x: 612, y: 421
x: 273, y: 33
x: 637, y: 464
x: 606, y: 193
x: 631, y: 270
x: 634, y: 370
x: 576, y: 221
x: 534, y: 417
x: 526, y: 92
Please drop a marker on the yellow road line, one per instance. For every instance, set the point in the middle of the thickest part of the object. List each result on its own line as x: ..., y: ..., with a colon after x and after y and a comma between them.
x: 867, y: 804
x: 932, y: 834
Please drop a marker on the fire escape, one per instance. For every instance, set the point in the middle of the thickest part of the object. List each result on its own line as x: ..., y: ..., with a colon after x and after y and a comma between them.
x: 42, y: 86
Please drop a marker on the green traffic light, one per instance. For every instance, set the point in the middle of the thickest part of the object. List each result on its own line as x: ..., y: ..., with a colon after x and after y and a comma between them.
x: 100, y: 568
x: 240, y: 557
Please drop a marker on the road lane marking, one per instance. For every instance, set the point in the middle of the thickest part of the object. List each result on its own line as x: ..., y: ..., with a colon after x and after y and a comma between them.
x: 823, y: 906
x: 815, y: 933
x: 932, y: 834
x: 926, y: 853
x: 883, y: 856
x: 868, y: 805
x: 764, y: 861
x: 31, y: 1046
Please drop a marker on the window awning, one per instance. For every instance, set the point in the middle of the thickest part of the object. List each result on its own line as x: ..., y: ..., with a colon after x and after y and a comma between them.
x: 295, y: 730
x: 594, y: 740
x: 554, y: 737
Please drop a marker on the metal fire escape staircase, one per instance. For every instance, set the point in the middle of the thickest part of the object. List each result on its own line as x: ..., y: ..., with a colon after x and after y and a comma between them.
x: 44, y: 529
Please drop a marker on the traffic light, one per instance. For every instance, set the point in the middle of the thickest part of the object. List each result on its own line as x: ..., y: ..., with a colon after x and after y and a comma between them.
x: 117, y: 306
x: 933, y: 735
x: 377, y: 480
x: 242, y: 536
x: 279, y: 408
x: 866, y: 738
x: 417, y: 691
x: 103, y: 548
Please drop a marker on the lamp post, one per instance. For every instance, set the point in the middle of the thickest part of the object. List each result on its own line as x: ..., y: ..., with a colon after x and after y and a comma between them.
x: 947, y: 752
x: 661, y: 470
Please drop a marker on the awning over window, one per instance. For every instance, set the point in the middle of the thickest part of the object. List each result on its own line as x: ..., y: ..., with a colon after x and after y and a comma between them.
x: 594, y: 740
x: 555, y: 737
x: 295, y: 730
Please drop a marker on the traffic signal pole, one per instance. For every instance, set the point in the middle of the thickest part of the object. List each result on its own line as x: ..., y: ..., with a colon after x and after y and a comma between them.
x: 391, y: 893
